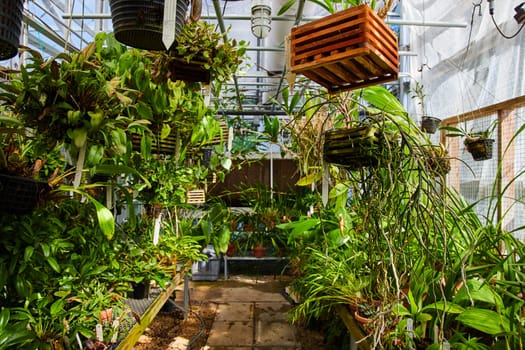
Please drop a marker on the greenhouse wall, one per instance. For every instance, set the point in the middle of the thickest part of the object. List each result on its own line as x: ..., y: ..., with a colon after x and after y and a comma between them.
x: 484, y: 182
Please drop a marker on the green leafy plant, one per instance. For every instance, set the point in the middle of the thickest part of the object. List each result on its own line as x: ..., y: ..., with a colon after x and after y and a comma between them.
x: 200, y: 43
x: 470, y: 135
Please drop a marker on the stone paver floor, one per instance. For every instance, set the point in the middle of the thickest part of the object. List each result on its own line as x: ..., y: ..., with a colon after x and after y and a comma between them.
x: 251, y: 314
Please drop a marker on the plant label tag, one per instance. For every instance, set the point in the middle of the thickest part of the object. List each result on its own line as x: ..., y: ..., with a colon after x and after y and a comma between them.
x: 98, y: 332
x: 115, y: 334
x: 169, y: 23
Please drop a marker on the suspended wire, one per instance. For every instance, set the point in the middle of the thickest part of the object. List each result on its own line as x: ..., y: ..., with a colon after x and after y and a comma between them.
x: 503, y: 34
x: 475, y: 6
x: 424, y: 42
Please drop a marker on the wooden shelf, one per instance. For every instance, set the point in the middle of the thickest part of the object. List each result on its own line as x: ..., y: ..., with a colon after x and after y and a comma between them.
x: 353, y: 327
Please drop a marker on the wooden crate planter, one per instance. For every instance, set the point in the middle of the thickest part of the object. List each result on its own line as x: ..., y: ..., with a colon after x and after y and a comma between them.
x: 196, y: 197
x: 352, y: 148
x: 350, y: 49
x: 164, y: 146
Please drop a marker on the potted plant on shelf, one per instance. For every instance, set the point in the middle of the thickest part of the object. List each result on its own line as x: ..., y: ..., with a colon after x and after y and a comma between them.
x: 258, y: 240
x: 429, y: 124
x: 478, y: 143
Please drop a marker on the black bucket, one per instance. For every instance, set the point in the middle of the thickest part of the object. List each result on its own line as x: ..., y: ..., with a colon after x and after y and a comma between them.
x: 138, y: 23
x: 10, y: 27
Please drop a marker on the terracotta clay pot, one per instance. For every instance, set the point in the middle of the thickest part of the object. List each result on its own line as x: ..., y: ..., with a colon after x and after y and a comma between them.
x: 259, y: 252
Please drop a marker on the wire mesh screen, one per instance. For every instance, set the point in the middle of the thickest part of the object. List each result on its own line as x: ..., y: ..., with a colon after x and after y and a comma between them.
x: 495, y: 186
x: 513, y: 177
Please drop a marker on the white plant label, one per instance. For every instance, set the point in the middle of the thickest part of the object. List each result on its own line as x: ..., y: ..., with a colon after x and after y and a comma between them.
x: 169, y: 23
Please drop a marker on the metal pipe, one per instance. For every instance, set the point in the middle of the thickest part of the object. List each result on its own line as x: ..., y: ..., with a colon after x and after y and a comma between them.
x: 407, y: 22
x: 51, y: 35
x: 218, y: 13
x: 254, y: 113
x: 298, y: 17
x: 57, y: 20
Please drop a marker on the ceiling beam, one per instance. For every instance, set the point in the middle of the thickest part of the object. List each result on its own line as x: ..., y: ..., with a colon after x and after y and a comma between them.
x: 48, y: 33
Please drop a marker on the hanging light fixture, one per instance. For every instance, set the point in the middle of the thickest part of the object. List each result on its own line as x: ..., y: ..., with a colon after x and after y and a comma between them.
x: 261, y: 18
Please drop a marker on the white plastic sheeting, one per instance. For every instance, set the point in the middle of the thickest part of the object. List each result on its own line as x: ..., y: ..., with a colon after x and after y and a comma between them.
x: 464, y: 69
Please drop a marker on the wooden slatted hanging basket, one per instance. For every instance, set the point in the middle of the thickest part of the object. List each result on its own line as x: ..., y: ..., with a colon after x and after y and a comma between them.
x: 350, y: 49
x: 352, y: 148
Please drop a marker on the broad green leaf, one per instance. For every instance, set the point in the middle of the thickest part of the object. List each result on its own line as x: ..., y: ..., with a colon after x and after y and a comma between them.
x: 165, y: 132
x: 61, y: 293
x: 28, y: 253
x: 95, y: 154
x: 226, y: 163
x: 57, y: 307
x: 478, y: 291
x: 9, y: 120
x: 53, y: 263
x: 79, y: 137
x: 401, y: 310
x: 450, y: 307
x: 4, y: 317
x: 45, y: 249
x: 309, y: 179
x: 105, y: 218
x: 486, y: 321
x: 382, y: 99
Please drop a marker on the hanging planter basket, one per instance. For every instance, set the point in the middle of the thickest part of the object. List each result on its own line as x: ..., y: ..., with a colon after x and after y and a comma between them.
x: 429, y: 124
x: 481, y: 149
x: 138, y: 23
x: 350, y: 49
x: 352, y: 148
x: 20, y: 195
x: 194, y: 71
x: 10, y: 27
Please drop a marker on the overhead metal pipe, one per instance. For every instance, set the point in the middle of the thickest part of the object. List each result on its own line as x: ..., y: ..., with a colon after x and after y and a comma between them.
x: 218, y: 13
x: 407, y: 22
x: 57, y: 20
x: 298, y: 17
x: 254, y: 113
x: 48, y: 33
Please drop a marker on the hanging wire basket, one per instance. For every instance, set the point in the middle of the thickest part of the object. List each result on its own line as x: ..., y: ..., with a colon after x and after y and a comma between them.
x: 138, y: 23
x: 20, y: 195
x: 10, y: 27
x: 480, y: 149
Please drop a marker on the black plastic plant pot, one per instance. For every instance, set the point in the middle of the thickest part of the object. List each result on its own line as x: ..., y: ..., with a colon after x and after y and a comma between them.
x: 430, y: 124
x: 480, y: 149
x: 138, y: 23
x: 141, y: 290
x: 206, y: 156
x: 10, y: 27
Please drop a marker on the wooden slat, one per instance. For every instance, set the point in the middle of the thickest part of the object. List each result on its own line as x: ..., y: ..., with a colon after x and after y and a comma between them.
x: 148, y: 316
x: 353, y: 327
x: 196, y: 197
x: 347, y: 50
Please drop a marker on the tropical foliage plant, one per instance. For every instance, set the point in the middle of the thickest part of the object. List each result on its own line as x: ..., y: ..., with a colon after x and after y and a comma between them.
x: 397, y: 247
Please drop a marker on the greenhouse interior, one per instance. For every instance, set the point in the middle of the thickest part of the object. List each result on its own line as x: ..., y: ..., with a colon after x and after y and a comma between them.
x: 346, y: 174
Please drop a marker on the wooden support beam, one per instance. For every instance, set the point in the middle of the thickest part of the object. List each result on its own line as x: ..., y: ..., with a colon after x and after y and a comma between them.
x: 353, y: 327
